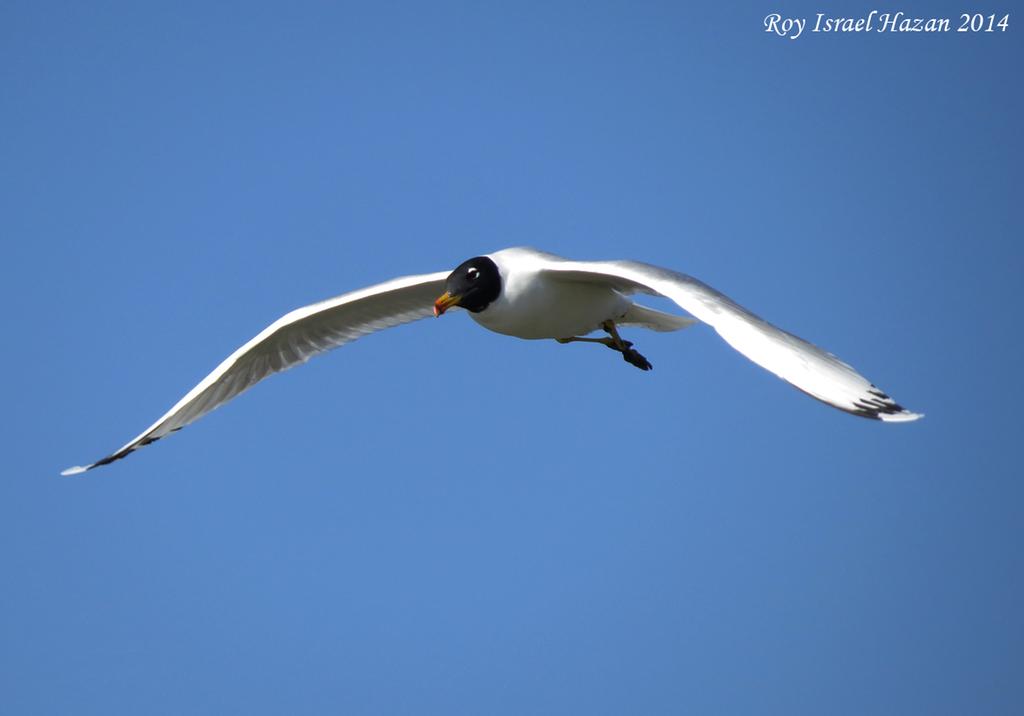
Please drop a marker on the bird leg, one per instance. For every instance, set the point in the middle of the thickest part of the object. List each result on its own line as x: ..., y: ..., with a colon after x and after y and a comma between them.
x: 616, y: 343
x: 629, y: 355
x: 577, y: 339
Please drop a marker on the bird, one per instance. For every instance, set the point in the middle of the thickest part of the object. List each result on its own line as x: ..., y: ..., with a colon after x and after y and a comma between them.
x: 533, y: 295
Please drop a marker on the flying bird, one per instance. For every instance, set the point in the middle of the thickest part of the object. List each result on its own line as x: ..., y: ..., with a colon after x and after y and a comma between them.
x: 534, y: 295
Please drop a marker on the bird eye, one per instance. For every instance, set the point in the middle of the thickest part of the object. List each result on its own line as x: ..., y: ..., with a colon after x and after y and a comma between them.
x: 472, y: 274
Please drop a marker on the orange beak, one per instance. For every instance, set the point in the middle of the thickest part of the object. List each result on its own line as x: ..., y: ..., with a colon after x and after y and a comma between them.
x: 444, y: 302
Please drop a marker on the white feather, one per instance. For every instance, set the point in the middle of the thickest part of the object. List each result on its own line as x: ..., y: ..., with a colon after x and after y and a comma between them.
x: 800, y: 363
x: 289, y: 341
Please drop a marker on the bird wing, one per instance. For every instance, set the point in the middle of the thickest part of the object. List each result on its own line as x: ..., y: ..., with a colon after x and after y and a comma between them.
x: 801, y: 364
x: 291, y: 340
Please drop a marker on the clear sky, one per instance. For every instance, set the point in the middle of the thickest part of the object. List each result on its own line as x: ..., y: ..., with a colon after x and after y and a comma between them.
x: 440, y: 520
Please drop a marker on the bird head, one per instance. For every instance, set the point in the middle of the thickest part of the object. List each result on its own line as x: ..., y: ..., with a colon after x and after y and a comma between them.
x: 473, y: 285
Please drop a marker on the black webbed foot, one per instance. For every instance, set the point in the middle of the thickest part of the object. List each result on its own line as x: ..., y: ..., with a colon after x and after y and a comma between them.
x: 634, y: 358
x: 615, y: 342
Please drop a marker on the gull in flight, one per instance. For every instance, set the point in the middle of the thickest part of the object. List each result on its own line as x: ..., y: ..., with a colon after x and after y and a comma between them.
x: 528, y: 294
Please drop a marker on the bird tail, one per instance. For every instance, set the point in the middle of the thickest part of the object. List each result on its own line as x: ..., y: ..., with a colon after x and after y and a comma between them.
x: 638, y: 315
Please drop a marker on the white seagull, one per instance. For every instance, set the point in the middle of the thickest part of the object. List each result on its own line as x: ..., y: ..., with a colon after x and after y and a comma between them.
x: 528, y: 294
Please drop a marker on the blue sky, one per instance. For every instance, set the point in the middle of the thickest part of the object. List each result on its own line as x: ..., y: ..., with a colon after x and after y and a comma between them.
x: 584, y: 538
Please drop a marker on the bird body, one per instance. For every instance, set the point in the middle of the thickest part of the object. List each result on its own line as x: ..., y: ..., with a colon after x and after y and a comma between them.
x: 533, y: 307
x: 533, y: 295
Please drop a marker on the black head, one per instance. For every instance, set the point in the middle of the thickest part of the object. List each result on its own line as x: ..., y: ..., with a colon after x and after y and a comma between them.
x: 474, y: 285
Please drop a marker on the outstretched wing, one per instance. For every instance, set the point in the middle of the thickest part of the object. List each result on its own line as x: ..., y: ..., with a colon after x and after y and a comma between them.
x: 291, y: 340
x: 801, y: 364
